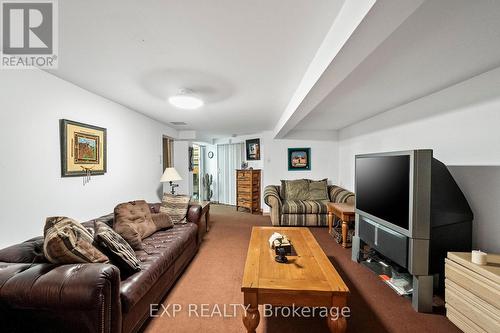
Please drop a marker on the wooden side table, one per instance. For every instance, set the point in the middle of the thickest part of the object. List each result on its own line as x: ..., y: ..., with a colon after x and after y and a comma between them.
x: 345, y: 212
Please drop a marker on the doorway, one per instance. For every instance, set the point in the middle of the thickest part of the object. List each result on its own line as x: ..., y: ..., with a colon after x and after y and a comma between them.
x: 168, y: 152
x: 195, y: 161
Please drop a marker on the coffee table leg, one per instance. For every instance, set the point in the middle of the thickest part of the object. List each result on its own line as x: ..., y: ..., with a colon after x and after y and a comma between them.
x: 251, y: 317
x: 337, y: 323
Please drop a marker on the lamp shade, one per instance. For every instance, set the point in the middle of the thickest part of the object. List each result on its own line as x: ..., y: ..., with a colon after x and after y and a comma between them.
x: 170, y: 175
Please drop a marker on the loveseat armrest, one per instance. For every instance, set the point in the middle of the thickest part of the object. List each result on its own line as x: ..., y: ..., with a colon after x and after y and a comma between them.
x: 77, y: 297
x: 272, y: 199
x: 340, y: 195
x: 194, y: 214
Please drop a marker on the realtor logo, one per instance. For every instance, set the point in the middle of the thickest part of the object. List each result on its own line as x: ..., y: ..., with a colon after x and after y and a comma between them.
x: 29, y: 34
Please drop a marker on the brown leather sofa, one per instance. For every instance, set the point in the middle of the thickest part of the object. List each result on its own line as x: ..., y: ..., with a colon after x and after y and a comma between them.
x: 37, y: 296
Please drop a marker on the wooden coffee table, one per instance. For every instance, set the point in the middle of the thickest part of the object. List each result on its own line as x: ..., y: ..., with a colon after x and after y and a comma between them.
x: 308, y: 279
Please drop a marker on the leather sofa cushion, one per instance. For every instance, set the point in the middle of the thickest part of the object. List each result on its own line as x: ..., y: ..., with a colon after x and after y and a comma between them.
x: 305, y: 207
x: 158, y: 254
x: 133, y: 221
x: 68, y: 242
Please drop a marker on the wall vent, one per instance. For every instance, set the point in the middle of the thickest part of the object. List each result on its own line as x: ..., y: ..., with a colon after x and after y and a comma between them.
x: 178, y: 123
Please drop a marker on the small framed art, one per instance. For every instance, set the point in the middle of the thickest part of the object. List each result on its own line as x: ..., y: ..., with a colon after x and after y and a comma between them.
x: 299, y: 159
x: 253, y: 149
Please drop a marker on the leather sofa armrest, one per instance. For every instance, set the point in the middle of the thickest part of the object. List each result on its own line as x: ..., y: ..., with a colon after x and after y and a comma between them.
x: 194, y: 214
x: 83, y: 296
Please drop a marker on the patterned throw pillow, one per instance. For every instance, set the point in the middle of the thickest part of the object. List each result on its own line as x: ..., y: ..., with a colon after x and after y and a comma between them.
x: 120, y: 252
x: 318, y: 190
x: 68, y: 242
x: 294, y: 189
x: 175, y: 206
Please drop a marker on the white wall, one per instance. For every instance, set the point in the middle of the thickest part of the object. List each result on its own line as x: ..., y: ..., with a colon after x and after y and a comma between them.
x: 31, y: 104
x: 481, y: 186
x: 467, y: 136
x: 274, y: 159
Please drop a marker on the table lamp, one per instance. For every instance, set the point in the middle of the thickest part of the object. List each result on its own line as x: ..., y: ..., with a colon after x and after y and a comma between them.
x: 170, y: 175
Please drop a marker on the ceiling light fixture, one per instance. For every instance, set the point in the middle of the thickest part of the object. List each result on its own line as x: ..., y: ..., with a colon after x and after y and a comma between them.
x: 186, y: 100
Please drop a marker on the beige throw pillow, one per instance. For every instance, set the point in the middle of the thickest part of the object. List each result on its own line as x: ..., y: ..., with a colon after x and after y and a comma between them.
x: 68, y: 242
x: 175, y: 206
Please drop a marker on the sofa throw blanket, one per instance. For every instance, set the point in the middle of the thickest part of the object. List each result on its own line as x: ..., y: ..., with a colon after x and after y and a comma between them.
x: 175, y: 206
x: 68, y: 242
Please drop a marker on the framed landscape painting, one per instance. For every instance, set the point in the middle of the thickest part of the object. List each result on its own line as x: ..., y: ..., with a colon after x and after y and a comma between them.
x: 299, y: 159
x: 253, y: 149
x: 83, y: 149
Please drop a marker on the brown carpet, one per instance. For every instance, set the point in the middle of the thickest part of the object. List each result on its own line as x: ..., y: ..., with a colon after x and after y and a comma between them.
x: 214, y: 279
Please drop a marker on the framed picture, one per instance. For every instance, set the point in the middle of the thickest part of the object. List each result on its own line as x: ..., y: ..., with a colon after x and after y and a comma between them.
x: 83, y: 149
x: 253, y: 149
x: 299, y: 159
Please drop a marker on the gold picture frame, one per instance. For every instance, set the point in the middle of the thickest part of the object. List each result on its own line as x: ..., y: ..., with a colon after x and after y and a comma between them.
x: 83, y: 149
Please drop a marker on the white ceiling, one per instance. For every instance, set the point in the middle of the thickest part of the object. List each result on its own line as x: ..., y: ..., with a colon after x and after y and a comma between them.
x: 245, y: 58
x: 441, y: 44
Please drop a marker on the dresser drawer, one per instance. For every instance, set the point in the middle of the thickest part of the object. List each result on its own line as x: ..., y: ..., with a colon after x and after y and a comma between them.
x: 247, y: 196
x: 248, y: 203
x: 244, y: 175
x: 472, y: 282
x: 244, y: 182
x: 244, y: 188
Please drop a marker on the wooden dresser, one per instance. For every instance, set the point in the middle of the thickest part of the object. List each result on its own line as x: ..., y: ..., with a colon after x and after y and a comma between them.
x: 248, y: 190
x: 472, y: 292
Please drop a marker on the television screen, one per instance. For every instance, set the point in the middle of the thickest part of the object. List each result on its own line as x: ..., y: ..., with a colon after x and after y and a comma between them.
x: 383, y: 188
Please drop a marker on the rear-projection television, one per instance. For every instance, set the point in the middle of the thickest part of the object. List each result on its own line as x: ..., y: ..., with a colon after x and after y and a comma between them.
x: 410, y: 209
